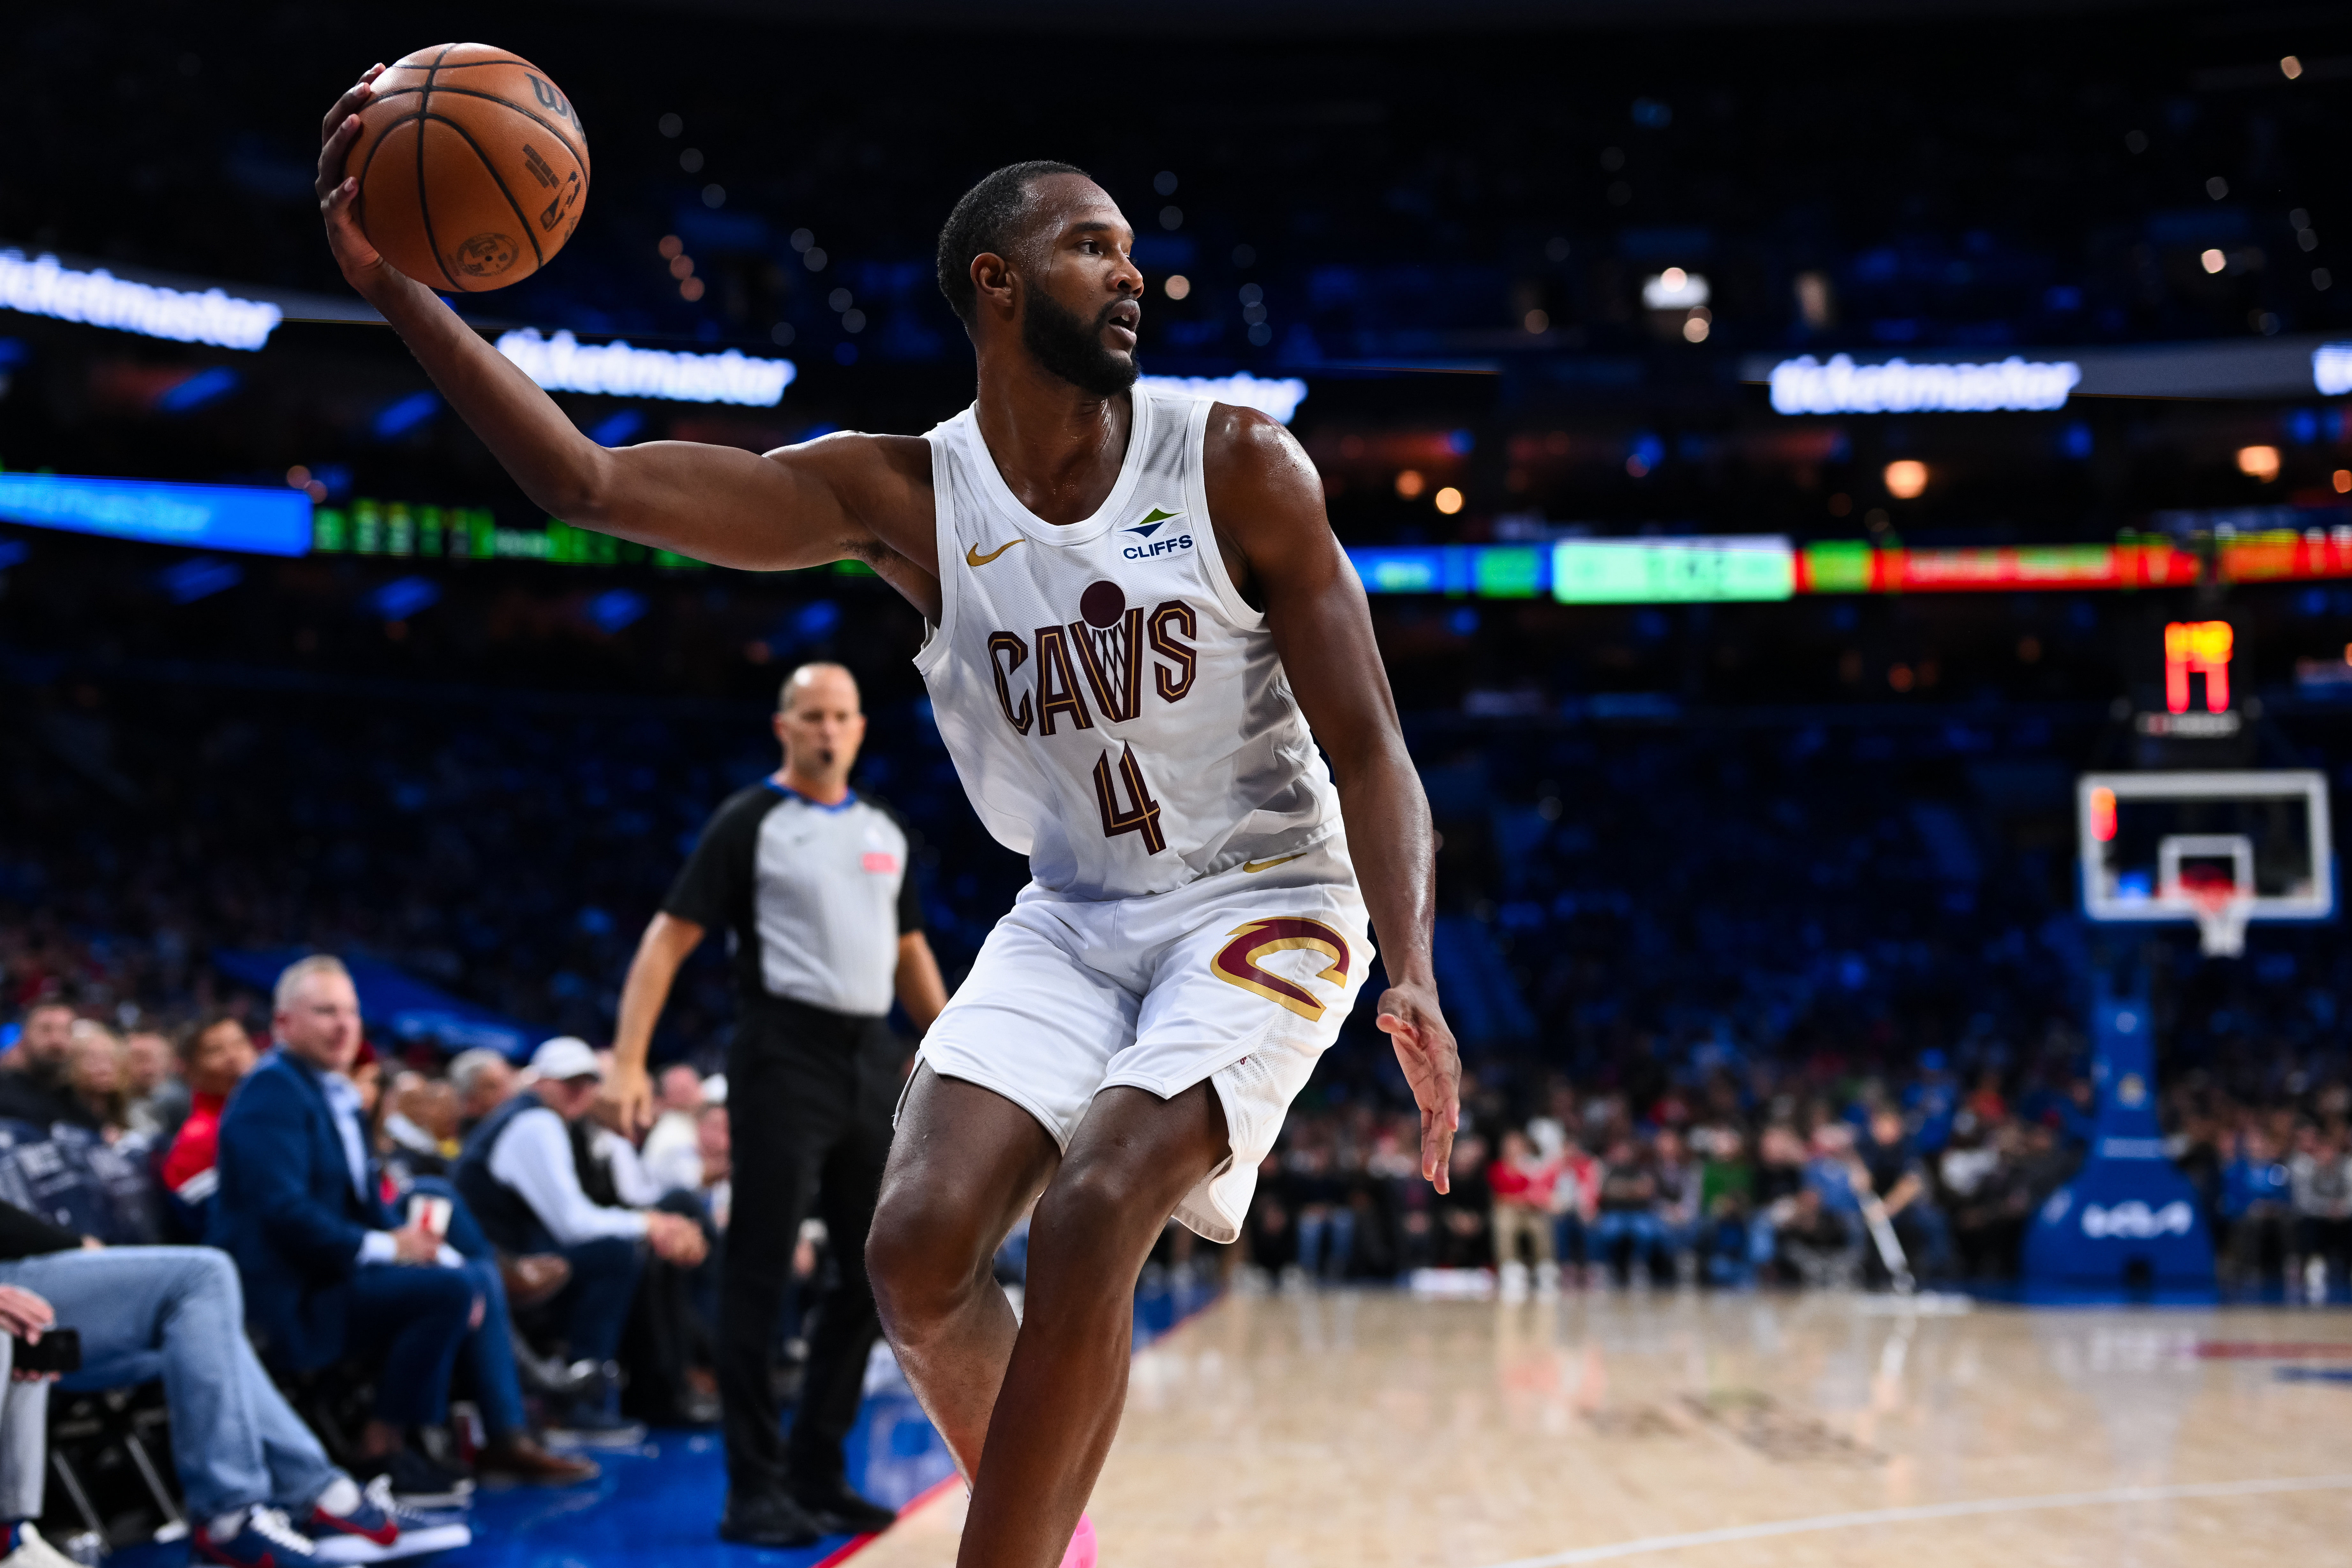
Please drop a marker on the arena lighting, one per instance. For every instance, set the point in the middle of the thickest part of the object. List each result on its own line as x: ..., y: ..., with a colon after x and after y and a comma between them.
x: 271, y: 520
x: 2259, y: 463
x: 1279, y: 397
x: 1805, y: 385
x: 47, y: 286
x: 563, y: 364
x: 1907, y: 479
x: 1674, y: 290
x: 2331, y: 369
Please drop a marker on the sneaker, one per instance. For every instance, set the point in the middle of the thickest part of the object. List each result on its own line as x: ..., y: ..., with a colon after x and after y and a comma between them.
x: 266, y: 1540
x: 383, y: 1528
x: 1081, y: 1553
x: 418, y: 1481
x: 587, y: 1427
x: 32, y: 1552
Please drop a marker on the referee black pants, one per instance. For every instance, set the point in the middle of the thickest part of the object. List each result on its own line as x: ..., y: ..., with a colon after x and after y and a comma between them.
x: 809, y: 1100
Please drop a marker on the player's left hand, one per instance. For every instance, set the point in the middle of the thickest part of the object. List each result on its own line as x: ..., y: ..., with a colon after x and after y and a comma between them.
x: 1432, y: 1066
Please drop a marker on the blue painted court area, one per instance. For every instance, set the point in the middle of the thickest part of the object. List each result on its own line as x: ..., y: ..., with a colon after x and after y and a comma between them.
x: 659, y: 1505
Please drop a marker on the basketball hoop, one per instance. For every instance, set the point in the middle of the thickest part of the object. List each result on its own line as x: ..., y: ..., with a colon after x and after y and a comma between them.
x: 2221, y: 914
x: 2213, y: 875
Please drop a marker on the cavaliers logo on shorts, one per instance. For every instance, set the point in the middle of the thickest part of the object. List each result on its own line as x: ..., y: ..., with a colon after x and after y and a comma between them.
x: 1236, y: 963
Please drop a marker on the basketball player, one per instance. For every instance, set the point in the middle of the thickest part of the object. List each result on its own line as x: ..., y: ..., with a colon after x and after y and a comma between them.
x: 1137, y: 609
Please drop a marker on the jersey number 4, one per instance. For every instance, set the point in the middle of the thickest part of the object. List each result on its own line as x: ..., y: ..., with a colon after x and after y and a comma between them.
x: 1140, y: 814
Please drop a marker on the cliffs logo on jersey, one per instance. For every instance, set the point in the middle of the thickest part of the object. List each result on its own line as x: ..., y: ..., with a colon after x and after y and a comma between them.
x: 1236, y: 963
x: 1149, y: 547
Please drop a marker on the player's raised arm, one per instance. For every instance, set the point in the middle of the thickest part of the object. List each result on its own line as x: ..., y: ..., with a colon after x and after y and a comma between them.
x: 801, y: 506
x: 1268, y: 500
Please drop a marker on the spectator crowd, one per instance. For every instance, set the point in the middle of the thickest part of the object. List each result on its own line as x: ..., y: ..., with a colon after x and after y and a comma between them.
x: 1781, y: 1174
x: 365, y: 1284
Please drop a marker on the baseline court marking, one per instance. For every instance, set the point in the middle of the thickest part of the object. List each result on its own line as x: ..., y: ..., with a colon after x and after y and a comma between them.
x: 1826, y: 1521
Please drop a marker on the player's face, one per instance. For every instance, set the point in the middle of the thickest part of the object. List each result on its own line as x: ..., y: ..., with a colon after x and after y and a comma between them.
x: 1082, y: 316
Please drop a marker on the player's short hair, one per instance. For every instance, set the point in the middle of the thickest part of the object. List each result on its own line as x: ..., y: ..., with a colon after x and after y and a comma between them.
x: 987, y: 219
x: 290, y: 979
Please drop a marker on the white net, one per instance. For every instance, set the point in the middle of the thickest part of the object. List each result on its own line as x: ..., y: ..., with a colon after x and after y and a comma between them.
x: 2221, y: 916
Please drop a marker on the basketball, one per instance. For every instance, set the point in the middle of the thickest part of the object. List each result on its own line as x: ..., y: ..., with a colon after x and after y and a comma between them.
x: 472, y: 167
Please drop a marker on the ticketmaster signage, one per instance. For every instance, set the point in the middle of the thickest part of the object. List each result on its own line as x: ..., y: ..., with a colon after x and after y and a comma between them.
x: 262, y: 520
x: 563, y: 364
x: 1805, y: 385
x: 47, y: 286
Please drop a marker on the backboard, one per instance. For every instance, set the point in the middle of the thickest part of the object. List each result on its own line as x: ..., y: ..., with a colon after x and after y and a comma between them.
x: 2220, y: 848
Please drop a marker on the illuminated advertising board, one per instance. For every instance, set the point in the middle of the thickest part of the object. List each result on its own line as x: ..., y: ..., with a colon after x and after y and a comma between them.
x: 272, y: 520
x: 1672, y: 571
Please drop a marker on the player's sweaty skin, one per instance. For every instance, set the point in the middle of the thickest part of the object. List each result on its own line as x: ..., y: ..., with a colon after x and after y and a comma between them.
x: 1030, y: 1415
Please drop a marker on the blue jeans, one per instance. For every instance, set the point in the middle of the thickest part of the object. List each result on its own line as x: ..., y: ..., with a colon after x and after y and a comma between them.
x: 410, y: 1320
x: 1327, y: 1237
x: 1640, y: 1228
x: 178, y: 1313
x: 595, y: 1306
x: 489, y: 1351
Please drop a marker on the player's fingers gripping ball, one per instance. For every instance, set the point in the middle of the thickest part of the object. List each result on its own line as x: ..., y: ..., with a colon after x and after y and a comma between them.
x: 472, y: 167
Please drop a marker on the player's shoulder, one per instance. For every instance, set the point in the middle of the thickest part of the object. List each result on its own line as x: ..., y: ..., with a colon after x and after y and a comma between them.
x: 1249, y: 459
x: 1239, y: 429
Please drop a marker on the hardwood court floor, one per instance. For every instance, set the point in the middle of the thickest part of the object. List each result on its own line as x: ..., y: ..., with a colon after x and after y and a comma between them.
x: 1374, y: 1430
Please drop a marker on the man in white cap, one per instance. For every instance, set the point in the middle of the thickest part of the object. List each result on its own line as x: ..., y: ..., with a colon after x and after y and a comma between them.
x: 520, y: 1175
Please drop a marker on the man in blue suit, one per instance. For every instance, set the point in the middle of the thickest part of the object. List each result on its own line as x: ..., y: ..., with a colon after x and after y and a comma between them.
x: 331, y: 1272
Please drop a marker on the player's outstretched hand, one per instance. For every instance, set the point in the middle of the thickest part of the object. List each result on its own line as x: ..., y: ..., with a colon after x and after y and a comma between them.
x: 1425, y: 1049
x: 359, y: 259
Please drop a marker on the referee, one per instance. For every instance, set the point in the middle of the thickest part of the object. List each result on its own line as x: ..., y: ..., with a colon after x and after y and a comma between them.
x: 809, y: 883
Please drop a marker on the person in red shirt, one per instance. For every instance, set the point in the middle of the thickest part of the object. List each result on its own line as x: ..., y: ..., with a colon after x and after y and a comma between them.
x: 215, y: 1057
x: 1522, y: 1184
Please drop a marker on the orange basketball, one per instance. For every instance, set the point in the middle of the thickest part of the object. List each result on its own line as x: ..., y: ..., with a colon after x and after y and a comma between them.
x: 473, y: 167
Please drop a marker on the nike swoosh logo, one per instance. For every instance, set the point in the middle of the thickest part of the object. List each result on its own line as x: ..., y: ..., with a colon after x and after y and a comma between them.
x: 1277, y: 860
x: 972, y: 557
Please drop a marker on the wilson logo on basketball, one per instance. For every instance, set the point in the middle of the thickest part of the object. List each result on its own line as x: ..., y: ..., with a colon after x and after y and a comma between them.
x: 1236, y: 963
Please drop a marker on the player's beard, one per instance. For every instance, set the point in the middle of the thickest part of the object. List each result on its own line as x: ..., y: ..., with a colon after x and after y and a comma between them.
x: 1072, y: 347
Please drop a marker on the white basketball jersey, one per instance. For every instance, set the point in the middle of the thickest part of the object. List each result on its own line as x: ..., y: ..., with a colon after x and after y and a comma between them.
x: 1114, y: 706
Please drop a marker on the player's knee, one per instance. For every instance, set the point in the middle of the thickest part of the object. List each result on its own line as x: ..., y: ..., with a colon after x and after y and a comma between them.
x: 918, y: 1259
x: 1098, y: 1201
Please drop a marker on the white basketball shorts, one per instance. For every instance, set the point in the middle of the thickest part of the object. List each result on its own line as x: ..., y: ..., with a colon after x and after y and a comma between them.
x: 1242, y: 978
